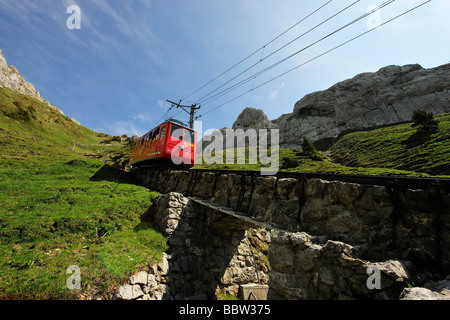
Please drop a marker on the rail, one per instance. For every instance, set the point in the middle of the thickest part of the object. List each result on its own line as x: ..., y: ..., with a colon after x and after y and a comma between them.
x: 388, y: 181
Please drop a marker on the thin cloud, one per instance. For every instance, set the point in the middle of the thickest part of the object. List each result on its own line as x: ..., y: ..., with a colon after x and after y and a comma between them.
x: 163, y: 105
x: 124, y: 127
x: 144, y: 117
x: 126, y: 24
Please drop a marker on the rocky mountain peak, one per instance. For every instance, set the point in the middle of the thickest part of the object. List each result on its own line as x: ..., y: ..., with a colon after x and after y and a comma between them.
x: 3, y: 63
x: 368, y: 100
x: 11, y: 78
x: 252, y: 118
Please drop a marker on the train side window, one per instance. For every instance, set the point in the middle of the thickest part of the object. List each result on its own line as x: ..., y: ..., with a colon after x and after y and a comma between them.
x: 163, y: 132
x: 156, y: 136
x: 150, y: 137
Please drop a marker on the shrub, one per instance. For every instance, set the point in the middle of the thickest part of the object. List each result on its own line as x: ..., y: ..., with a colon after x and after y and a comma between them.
x: 308, y: 147
x: 287, y: 163
x: 310, y: 150
x: 424, y: 120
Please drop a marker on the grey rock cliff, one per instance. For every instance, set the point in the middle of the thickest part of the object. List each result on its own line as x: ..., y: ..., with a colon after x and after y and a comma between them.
x: 250, y: 118
x: 368, y: 100
x: 253, y: 118
x: 10, y: 78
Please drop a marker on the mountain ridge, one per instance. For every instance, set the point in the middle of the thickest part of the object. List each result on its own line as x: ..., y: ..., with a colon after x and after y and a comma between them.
x: 11, y: 78
x: 368, y: 100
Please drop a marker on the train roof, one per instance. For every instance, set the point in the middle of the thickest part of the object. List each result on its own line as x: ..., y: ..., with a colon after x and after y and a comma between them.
x: 177, y: 122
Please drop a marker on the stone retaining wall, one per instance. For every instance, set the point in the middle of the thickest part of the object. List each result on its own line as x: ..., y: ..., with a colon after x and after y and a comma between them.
x: 203, y: 258
x: 389, y: 223
x: 206, y: 257
x: 307, y: 271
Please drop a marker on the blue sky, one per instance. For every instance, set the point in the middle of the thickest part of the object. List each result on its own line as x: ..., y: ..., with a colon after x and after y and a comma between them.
x: 116, y: 72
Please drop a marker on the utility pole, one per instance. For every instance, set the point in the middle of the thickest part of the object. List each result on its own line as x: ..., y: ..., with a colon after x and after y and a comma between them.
x: 191, y: 111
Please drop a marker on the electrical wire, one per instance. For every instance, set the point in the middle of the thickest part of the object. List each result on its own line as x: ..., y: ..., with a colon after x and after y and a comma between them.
x: 282, y: 47
x: 252, y: 77
x: 318, y: 56
x: 255, y: 52
x: 162, y: 117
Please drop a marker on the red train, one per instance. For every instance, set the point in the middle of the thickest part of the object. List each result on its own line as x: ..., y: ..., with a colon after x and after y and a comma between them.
x: 169, y: 143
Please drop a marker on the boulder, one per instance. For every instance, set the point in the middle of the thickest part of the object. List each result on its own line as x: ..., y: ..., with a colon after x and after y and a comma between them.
x: 129, y: 292
x: 140, y: 278
x: 420, y: 293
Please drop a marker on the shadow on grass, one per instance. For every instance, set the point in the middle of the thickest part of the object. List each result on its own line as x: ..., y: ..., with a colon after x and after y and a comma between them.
x: 144, y: 225
x: 419, y: 138
x: 109, y: 173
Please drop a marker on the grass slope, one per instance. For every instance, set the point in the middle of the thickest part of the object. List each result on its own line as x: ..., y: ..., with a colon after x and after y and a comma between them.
x: 399, y: 150
x: 292, y: 160
x: 399, y: 147
x: 61, y: 208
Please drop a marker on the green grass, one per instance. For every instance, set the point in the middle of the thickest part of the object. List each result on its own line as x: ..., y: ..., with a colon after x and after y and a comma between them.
x: 398, y: 150
x: 62, y: 214
x: 141, y: 245
x: 291, y: 160
x: 31, y: 131
x: 399, y: 147
x: 62, y: 208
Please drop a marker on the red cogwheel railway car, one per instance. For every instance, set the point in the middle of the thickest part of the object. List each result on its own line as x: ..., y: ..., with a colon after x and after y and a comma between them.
x: 170, y: 143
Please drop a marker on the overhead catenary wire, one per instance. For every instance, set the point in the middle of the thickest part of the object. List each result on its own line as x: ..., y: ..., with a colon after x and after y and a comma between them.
x: 318, y: 56
x: 162, y: 117
x: 259, y: 73
x: 202, y: 99
x: 165, y: 115
x: 256, y: 51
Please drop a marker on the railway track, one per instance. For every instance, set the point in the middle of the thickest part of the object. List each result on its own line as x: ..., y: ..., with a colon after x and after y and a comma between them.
x: 370, y: 180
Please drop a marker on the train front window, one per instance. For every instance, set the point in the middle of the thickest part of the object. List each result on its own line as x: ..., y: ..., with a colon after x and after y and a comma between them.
x: 188, y: 135
x: 176, y: 132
